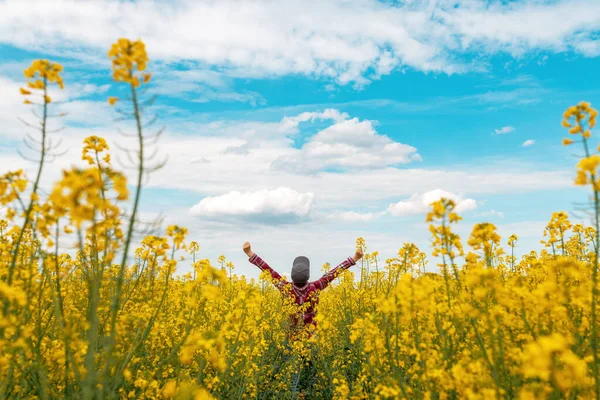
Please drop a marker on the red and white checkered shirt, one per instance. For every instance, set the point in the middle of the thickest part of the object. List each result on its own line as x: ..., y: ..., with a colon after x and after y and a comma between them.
x: 307, y: 295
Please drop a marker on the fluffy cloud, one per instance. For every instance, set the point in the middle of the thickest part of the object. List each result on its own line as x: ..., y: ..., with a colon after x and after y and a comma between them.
x: 419, y: 203
x: 352, y: 216
x: 290, y: 124
x: 492, y: 27
x: 528, y: 142
x: 280, y: 202
x: 504, y: 130
x: 347, y: 144
x: 345, y: 41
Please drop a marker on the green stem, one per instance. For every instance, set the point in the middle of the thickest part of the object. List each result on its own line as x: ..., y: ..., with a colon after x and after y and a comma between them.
x: 594, y: 277
x: 36, y: 183
x: 120, y: 279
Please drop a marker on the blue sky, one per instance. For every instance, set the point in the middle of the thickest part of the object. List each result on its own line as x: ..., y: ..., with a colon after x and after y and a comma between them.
x: 302, y: 126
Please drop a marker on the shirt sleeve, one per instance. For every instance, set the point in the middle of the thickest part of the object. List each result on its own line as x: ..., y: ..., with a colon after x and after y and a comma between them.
x: 279, y: 281
x: 334, y: 273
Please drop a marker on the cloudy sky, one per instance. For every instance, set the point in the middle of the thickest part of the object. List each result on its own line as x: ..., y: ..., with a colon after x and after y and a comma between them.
x: 300, y: 126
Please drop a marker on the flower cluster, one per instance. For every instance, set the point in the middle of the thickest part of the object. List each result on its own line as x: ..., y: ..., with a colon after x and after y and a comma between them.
x: 178, y: 234
x: 93, y: 146
x: 39, y: 74
x: 129, y: 58
x: 484, y: 237
x: 445, y: 242
x: 580, y: 119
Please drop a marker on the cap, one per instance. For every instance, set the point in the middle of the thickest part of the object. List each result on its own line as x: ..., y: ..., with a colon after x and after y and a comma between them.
x: 301, y: 270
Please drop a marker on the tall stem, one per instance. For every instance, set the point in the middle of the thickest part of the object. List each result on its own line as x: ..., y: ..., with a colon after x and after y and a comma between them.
x: 36, y: 183
x: 595, y: 277
x: 119, y: 286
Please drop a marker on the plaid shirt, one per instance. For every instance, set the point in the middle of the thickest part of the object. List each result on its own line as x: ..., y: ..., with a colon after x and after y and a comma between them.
x: 306, y: 296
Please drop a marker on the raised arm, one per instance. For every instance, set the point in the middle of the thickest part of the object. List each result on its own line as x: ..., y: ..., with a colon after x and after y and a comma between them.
x: 334, y: 273
x: 280, y: 282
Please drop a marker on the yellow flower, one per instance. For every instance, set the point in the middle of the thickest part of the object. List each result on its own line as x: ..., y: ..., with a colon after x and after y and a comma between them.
x: 47, y: 99
x: 27, y: 102
x: 566, y: 142
x: 46, y: 71
x: 178, y: 234
x: 170, y: 389
x: 581, y: 178
x: 128, y: 58
x: 112, y: 100
x: 203, y: 394
x: 127, y: 375
x: 24, y: 91
x: 94, y: 145
x: 193, y: 247
x: 38, y: 84
x: 120, y: 186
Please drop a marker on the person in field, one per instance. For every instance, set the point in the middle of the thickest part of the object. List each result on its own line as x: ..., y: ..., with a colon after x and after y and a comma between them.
x: 305, y: 293
x: 306, y: 296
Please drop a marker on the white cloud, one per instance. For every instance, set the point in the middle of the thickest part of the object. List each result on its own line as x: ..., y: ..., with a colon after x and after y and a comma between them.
x: 491, y: 213
x: 202, y: 86
x: 86, y: 111
x: 282, y: 201
x: 590, y: 48
x: 504, y: 130
x: 241, y: 149
x: 509, y: 28
x: 349, y: 42
x: 352, y: 216
x: 290, y: 124
x: 419, y: 203
x: 528, y: 142
x: 347, y: 144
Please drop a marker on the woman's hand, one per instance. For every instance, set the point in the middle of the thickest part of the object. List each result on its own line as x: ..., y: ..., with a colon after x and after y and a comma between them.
x: 357, y: 255
x: 248, y: 249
